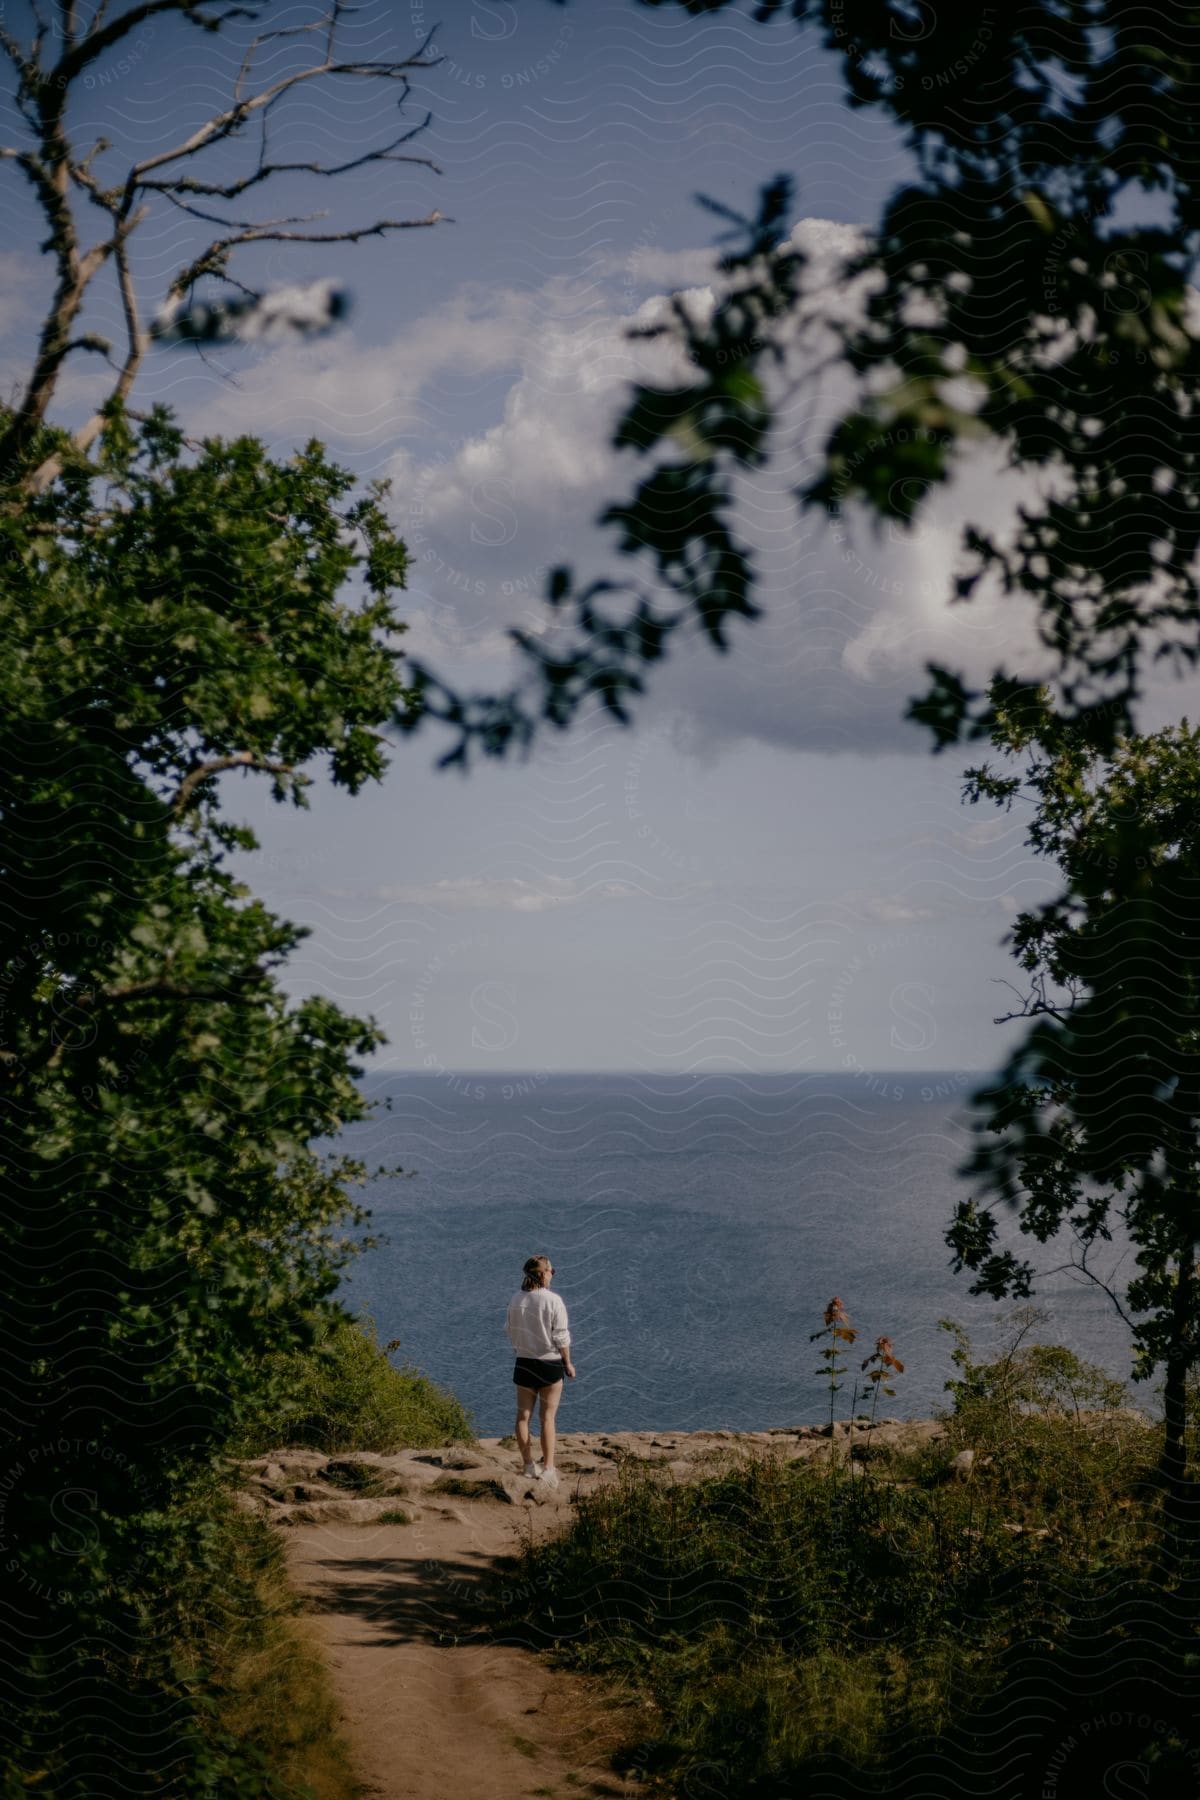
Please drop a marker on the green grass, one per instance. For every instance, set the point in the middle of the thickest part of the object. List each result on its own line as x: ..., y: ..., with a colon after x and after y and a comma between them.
x: 393, y: 1517
x: 796, y: 1625
x: 267, y: 1678
x: 345, y: 1394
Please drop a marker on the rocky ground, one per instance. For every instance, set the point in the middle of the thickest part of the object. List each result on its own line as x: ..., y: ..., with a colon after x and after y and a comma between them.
x: 309, y: 1487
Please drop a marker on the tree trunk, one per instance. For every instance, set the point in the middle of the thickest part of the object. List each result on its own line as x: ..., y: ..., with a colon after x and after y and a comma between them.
x: 1174, y: 1450
x: 1179, y: 1360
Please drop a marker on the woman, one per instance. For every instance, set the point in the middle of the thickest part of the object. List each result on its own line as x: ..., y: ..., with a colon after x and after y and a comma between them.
x: 538, y: 1332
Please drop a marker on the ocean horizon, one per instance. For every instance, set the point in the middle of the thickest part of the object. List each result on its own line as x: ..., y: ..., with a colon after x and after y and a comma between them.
x: 698, y: 1225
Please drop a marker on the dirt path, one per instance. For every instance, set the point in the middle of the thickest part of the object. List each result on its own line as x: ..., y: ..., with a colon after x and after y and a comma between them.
x: 434, y: 1707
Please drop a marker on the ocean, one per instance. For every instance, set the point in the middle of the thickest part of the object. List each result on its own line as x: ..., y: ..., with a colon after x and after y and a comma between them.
x: 698, y: 1227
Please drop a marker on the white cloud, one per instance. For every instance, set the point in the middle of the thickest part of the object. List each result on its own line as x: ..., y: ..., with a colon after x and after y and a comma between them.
x: 362, y: 394
x: 825, y: 242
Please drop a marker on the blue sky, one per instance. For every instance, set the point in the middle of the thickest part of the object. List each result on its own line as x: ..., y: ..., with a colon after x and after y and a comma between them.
x: 771, y: 873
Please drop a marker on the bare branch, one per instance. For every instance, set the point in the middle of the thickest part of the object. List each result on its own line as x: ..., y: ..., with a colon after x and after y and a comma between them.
x: 55, y: 173
x: 271, y: 234
x: 1035, y: 1001
x: 198, y: 212
x: 327, y: 24
x: 1081, y: 1267
x: 1029, y: 1012
x: 42, y: 28
x: 82, y: 173
x: 138, y: 339
x: 91, y: 340
x: 225, y: 124
x: 238, y: 759
x: 67, y: 11
x: 137, y: 342
x: 49, y: 179
x: 25, y: 67
x: 101, y: 37
x: 186, y: 184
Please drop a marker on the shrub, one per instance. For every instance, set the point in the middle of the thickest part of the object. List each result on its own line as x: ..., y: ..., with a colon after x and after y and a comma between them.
x: 1029, y: 1377
x: 346, y: 1395
x: 802, y: 1628
x: 1060, y: 1432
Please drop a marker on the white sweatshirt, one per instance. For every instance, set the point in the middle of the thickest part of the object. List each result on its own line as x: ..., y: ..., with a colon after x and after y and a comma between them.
x: 537, y: 1323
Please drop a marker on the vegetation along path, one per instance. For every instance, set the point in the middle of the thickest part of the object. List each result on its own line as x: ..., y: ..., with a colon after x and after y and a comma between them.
x: 391, y: 1553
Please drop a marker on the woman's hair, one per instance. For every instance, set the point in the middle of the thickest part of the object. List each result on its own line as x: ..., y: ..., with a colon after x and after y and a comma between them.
x: 535, y: 1268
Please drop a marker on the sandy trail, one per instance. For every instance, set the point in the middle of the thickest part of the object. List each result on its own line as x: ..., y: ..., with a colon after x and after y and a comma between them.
x: 436, y: 1708
x: 433, y: 1708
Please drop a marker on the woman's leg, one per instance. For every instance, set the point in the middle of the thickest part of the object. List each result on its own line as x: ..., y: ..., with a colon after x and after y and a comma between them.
x: 550, y: 1399
x: 526, y: 1397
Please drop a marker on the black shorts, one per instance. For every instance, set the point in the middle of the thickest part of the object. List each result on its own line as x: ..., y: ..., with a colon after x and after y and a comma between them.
x: 538, y: 1372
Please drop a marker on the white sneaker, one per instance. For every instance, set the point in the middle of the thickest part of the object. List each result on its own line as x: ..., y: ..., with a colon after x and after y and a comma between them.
x: 550, y: 1478
x: 532, y: 1469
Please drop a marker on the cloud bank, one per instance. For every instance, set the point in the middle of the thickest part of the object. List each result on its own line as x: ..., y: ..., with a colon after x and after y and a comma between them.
x: 853, y: 610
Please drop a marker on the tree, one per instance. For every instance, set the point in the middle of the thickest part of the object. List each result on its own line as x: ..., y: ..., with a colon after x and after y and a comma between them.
x: 1014, y: 297
x: 167, y: 1223
x: 68, y: 183
x: 171, y: 612
x: 1094, y: 1117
